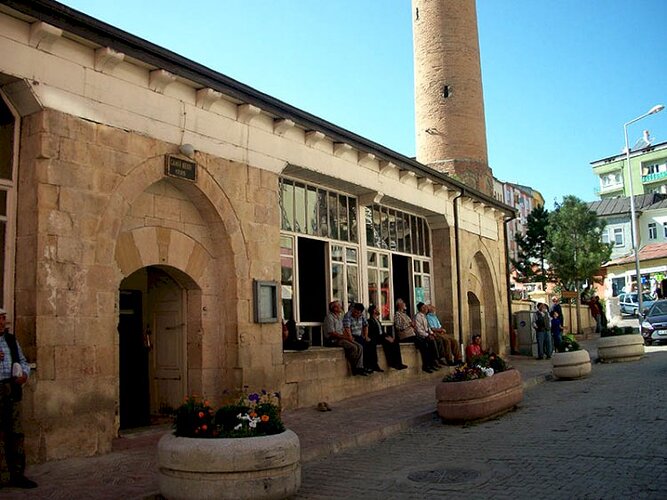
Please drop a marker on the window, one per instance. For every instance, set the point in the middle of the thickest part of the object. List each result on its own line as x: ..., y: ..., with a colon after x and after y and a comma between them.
x: 8, y: 155
x: 618, y: 236
x: 389, y: 229
x: 422, y: 280
x: 287, y: 276
x: 379, y: 284
x: 605, y: 235
x: 652, y: 231
x: 311, y: 210
x: 664, y: 229
x: 344, y: 274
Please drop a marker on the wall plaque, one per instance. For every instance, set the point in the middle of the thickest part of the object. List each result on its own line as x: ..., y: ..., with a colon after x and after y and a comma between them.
x: 181, y: 168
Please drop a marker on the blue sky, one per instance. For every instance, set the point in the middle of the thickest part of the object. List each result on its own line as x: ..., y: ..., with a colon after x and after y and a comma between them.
x: 560, y: 77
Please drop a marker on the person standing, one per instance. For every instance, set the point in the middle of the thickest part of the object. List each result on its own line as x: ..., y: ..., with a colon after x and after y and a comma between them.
x: 556, y: 329
x: 556, y: 307
x: 596, y: 311
x: 334, y: 336
x: 390, y: 345
x: 542, y: 324
x: 14, y: 372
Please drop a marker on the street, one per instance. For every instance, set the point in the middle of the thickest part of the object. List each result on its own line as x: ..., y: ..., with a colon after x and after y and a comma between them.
x: 601, y: 437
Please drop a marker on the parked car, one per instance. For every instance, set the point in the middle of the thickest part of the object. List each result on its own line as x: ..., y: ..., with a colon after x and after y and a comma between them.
x: 654, y: 323
x: 630, y: 305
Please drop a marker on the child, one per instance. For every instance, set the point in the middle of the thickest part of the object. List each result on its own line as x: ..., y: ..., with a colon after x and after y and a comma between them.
x: 556, y: 329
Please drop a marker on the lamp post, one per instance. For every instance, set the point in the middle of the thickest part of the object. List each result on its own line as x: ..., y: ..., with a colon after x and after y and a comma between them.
x: 633, y: 221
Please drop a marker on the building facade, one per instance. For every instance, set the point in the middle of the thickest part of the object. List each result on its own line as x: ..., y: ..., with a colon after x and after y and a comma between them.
x: 151, y: 207
x: 648, y: 167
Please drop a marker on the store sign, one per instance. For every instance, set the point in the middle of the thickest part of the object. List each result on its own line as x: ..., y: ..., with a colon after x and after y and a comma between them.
x: 181, y: 168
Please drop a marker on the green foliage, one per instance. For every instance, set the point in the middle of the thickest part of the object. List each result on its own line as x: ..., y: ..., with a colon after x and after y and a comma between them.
x: 255, y: 414
x: 568, y: 344
x: 534, y: 247
x: 481, y: 366
x: 577, y: 250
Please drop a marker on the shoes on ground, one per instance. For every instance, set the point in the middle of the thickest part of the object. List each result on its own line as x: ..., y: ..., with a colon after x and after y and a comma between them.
x: 427, y: 369
x: 22, y: 482
x: 368, y: 371
x: 401, y: 367
x: 359, y: 371
x: 377, y: 369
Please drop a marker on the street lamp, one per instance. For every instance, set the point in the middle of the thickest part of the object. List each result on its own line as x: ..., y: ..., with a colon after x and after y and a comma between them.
x: 633, y: 222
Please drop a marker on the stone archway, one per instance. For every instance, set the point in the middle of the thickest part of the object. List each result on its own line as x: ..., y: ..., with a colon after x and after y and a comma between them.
x: 482, y: 303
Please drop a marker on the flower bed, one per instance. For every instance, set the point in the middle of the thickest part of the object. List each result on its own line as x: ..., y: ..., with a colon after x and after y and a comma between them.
x: 570, y: 361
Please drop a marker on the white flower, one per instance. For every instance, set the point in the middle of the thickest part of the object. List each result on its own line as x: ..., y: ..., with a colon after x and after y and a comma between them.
x: 237, y: 427
x: 488, y: 371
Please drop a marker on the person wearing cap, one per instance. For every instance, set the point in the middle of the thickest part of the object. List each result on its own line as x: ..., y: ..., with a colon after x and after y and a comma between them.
x: 14, y: 372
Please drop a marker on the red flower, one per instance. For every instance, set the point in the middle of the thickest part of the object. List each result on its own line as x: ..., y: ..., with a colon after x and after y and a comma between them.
x: 201, y: 414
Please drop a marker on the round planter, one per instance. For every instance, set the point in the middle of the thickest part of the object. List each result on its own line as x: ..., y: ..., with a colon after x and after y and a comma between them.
x: 621, y: 348
x: 242, y: 468
x: 479, y: 399
x: 571, y: 365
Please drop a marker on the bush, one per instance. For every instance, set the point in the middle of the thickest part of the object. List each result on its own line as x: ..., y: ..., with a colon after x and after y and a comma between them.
x: 568, y: 344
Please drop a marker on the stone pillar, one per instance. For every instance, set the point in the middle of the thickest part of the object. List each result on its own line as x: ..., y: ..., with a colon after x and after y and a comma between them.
x: 449, y: 104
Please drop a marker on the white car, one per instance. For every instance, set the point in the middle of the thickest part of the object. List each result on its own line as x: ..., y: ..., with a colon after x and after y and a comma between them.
x: 630, y: 305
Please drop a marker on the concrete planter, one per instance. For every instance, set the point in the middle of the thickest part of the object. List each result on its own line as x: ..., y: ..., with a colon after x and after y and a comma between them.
x: 571, y: 365
x: 621, y: 348
x: 479, y: 399
x: 244, y: 468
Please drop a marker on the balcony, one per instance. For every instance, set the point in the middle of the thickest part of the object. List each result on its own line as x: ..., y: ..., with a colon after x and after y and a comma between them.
x: 654, y: 177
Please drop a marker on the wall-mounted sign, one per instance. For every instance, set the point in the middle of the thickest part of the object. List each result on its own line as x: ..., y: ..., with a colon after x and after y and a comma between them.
x: 265, y: 295
x: 181, y: 168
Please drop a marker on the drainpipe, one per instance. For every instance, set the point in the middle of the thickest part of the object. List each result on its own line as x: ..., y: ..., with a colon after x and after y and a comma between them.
x: 458, y: 265
x: 507, y: 282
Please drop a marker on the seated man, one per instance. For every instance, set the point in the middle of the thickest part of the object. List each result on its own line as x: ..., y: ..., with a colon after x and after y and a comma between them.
x: 422, y: 328
x: 390, y: 345
x: 452, y: 348
x: 334, y: 336
x: 405, y: 329
x: 355, y: 323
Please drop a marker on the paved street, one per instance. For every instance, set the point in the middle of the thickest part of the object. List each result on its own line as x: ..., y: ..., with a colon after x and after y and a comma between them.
x: 601, y: 437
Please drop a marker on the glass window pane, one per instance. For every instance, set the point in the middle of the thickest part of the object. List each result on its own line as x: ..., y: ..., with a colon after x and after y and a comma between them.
x: 372, y: 259
x: 385, y: 227
x: 300, y: 208
x: 311, y: 207
x: 417, y: 265
x: 351, y: 255
x: 337, y: 253
x: 400, y: 235
x: 427, y: 289
x: 337, y: 282
x: 368, y: 222
x: 385, y: 295
x: 373, y: 288
x: 427, y: 267
x: 333, y: 215
x: 427, y: 239
x: 342, y: 218
x: 323, y: 212
x: 393, y: 245
x: 384, y: 260
x: 353, y: 220
x: 352, y: 284
x: 408, y: 233
x: 287, y: 205
x: 377, y: 227
x: 3, y: 202
x: 419, y: 247
x: 418, y: 280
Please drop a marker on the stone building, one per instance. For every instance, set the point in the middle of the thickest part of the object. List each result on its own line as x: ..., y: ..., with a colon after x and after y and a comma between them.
x: 147, y: 200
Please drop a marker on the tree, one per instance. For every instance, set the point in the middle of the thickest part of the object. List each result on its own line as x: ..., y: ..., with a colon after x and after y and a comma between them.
x: 534, y: 247
x: 577, y: 251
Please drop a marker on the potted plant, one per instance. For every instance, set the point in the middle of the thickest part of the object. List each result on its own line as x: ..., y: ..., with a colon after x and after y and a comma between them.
x: 484, y: 387
x: 620, y: 344
x: 240, y: 451
x: 570, y: 361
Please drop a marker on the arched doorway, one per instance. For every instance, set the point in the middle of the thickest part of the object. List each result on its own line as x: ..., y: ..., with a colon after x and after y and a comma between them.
x: 474, y: 315
x: 153, y: 331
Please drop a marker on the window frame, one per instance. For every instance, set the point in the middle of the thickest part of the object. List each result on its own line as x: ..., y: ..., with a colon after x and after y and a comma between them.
x: 9, y: 185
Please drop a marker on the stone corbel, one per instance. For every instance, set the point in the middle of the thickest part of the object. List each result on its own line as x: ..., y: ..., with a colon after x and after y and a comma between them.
x: 43, y: 35
x: 438, y: 221
x: 160, y: 79
x: 107, y: 59
x: 340, y: 148
x: 206, y: 97
x: 406, y: 175
x: 313, y: 137
x: 282, y: 125
x: 367, y: 199
x: 423, y: 183
x: 246, y: 113
x: 386, y: 167
x: 439, y: 188
x: 364, y: 158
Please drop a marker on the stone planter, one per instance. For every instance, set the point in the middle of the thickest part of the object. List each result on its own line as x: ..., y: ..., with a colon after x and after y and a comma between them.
x: 621, y: 348
x: 479, y: 399
x: 242, y: 468
x: 571, y: 365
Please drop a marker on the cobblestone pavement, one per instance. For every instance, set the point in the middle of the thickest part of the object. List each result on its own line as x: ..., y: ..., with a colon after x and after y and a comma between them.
x: 601, y: 437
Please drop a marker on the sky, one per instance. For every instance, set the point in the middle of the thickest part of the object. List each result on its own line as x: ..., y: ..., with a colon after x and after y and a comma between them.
x: 560, y: 77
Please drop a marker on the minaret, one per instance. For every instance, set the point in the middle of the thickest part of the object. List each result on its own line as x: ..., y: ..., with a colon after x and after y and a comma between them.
x: 449, y: 105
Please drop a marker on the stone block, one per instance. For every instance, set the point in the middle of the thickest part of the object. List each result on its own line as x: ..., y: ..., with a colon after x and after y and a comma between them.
x: 168, y: 208
x: 45, y: 361
x: 55, y: 331
x: 78, y: 201
x: 74, y: 362
x: 70, y: 250
x: 48, y: 196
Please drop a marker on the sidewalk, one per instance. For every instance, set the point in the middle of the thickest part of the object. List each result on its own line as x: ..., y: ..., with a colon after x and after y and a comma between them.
x: 129, y: 472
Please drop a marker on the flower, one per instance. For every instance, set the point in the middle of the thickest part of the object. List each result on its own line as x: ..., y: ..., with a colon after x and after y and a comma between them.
x: 482, y: 366
x: 251, y: 414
